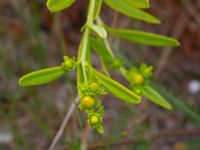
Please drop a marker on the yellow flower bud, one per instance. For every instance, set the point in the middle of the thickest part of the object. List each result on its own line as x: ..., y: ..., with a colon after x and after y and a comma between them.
x: 138, y: 79
x: 94, y: 120
x: 88, y: 102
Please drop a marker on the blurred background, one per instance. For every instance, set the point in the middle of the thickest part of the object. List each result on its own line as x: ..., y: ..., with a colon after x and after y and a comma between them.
x: 32, y: 38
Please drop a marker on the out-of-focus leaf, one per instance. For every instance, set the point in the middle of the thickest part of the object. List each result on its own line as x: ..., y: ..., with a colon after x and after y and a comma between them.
x: 144, y: 37
x: 100, y: 49
x: 42, y: 76
x: 131, y: 11
x: 178, y: 102
x: 103, y: 53
x: 116, y: 88
x: 58, y: 5
x: 155, y: 97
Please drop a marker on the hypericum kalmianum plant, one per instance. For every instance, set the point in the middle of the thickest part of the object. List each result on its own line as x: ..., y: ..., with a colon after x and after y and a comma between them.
x: 90, y: 82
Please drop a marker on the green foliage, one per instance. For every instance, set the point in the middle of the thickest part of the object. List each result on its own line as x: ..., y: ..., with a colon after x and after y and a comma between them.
x: 155, y: 97
x: 116, y: 88
x: 97, y: 9
x: 138, y: 3
x: 49, y: 74
x: 42, y: 76
x: 100, y: 49
x: 90, y: 82
x: 58, y: 5
x: 129, y: 10
x: 143, y: 37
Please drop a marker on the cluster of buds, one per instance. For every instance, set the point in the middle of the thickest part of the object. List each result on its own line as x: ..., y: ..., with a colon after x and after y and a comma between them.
x: 69, y: 63
x: 95, y: 119
x: 139, y: 77
x: 93, y: 88
x: 91, y: 105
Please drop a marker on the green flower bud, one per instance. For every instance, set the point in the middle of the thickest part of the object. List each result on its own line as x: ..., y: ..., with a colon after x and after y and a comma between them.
x: 69, y: 63
x: 94, y: 119
x: 94, y: 86
x: 146, y: 71
x: 116, y: 63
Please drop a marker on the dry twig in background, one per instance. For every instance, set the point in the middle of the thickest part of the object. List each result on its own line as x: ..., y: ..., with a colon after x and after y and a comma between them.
x: 64, y: 124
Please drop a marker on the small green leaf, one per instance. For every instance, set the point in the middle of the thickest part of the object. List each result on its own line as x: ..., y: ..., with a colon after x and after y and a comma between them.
x: 155, y: 97
x: 97, y: 9
x: 100, y: 49
x: 138, y: 3
x: 105, y: 67
x: 116, y: 88
x: 42, y: 76
x: 58, y: 5
x: 131, y: 11
x: 100, y: 129
x: 99, y: 30
x: 143, y: 37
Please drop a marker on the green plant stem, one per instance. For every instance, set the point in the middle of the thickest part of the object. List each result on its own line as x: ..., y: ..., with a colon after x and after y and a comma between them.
x: 90, y: 15
x: 83, y: 51
x: 84, y: 44
x: 82, y: 75
x: 123, y: 70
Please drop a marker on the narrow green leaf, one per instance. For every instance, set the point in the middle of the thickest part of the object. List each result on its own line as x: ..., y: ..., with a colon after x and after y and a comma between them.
x: 88, y: 53
x: 144, y: 37
x: 116, y: 88
x: 103, y: 53
x: 97, y: 9
x: 129, y: 10
x: 58, y: 5
x: 42, y: 76
x: 105, y: 66
x: 138, y: 3
x: 155, y: 97
x: 100, y: 49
